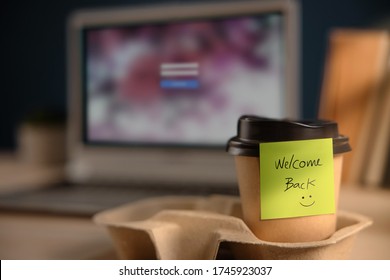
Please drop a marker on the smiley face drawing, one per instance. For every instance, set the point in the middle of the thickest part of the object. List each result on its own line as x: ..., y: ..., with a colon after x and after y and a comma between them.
x: 307, y: 201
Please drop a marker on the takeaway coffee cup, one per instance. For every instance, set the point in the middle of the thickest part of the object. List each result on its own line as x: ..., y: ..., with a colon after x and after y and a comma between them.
x: 289, y: 176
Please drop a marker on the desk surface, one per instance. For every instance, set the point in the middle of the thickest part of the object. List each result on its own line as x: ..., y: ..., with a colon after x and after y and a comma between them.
x: 374, y: 242
x: 33, y: 236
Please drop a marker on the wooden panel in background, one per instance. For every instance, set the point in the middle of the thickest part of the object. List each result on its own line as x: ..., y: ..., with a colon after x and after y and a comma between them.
x: 353, y: 77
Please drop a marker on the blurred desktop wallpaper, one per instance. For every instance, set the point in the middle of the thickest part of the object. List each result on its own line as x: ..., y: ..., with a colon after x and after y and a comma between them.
x: 184, y: 82
x: 33, y: 51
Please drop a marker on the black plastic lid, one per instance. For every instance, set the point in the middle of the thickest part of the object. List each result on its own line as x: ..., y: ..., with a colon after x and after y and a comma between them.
x: 253, y: 130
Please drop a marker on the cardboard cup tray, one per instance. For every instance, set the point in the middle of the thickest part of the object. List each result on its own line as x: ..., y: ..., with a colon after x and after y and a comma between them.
x: 194, y: 227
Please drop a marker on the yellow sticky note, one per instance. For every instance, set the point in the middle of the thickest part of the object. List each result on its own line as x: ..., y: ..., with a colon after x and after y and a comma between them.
x: 296, y: 179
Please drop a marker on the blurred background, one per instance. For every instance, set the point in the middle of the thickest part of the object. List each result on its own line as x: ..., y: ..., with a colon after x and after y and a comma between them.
x: 33, y: 51
x: 34, y: 79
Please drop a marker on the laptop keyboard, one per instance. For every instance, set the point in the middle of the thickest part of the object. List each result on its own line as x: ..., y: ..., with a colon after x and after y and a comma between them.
x: 87, y: 200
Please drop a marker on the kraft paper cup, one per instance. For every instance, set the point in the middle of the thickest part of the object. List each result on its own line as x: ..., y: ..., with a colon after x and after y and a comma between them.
x: 253, y: 130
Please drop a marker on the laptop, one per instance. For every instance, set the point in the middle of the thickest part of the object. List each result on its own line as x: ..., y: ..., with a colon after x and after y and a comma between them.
x: 155, y: 93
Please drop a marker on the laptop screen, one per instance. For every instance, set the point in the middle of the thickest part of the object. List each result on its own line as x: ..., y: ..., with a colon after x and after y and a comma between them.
x: 155, y: 91
x: 183, y: 82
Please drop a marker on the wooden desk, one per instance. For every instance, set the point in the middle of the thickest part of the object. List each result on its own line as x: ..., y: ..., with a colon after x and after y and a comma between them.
x: 33, y: 236
x: 373, y: 242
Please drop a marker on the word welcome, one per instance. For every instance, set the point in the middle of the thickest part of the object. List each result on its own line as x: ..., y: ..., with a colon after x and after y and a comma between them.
x: 293, y: 163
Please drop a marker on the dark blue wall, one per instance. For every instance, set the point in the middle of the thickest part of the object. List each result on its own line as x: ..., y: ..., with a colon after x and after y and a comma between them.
x: 33, y: 50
